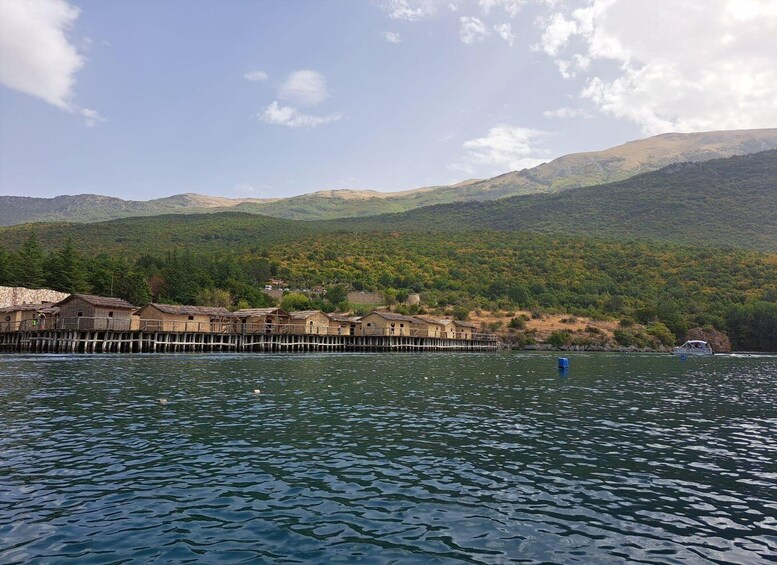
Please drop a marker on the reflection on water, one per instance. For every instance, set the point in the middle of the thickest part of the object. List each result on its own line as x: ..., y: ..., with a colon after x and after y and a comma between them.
x: 432, y: 458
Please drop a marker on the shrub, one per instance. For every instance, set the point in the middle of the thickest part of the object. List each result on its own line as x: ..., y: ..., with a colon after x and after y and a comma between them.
x: 628, y: 338
x: 294, y: 301
x: 461, y: 314
x: 559, y: 339
x: 661, y: 332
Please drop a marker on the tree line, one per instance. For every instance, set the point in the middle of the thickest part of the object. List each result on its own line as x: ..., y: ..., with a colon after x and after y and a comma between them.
x: 678, y: 287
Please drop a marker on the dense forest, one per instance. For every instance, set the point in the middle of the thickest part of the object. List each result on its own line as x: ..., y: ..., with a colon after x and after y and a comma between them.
x: 680, y: 287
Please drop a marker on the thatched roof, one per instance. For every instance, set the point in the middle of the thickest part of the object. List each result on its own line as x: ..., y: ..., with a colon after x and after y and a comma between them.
x: 28, y: 307
x: 104, y: 301
x: 192, y: 310
x: 394, y: 317
x: 339, y: 318
x: 433, y: 320
x: 304, y: 314
x: 464, y: 324
x: 247, y: 312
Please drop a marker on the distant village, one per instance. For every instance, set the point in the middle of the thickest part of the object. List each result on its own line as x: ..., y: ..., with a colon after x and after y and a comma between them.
x: 97, y: 313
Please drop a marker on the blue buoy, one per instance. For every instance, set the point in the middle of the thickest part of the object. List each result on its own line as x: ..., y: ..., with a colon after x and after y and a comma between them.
x: 563, y: 363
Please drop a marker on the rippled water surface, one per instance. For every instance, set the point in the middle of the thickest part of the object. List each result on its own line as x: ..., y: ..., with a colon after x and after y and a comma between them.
x: 486, y: 458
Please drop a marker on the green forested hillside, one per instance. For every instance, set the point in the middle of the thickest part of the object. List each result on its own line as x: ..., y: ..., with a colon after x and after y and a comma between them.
x: 725, y: 202
x: 722, y: 203
x: 681, y: 287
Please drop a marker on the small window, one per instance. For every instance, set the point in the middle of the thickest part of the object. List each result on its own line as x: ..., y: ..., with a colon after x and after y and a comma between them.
x: 110, y: 314
x: 191, y: 317
x: 80, y: 314
x: 8, y: 318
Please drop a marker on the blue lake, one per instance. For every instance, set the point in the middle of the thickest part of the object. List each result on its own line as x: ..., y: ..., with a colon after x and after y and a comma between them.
x: 381, y: 458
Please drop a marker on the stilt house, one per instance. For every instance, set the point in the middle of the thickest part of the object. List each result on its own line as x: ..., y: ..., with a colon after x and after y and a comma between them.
x: 89, y: 312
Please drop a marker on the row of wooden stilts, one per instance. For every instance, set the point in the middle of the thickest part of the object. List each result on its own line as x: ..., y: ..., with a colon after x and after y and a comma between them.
x: 83, y: 341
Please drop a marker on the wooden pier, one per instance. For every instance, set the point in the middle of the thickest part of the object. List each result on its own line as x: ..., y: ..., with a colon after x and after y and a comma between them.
x: 139, y: 341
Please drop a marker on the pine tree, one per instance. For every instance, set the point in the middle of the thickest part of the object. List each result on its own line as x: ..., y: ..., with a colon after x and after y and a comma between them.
x: 5, y: 268
x: 133, y: 287
x: 67, y: 270
x: 27, y: 268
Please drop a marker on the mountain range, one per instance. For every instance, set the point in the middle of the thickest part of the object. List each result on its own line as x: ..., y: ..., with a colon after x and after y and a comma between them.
x: 562, y: 174
x: 729, y: 202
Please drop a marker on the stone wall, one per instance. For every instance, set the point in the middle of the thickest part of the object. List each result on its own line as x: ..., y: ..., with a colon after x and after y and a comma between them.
x: 366, y: 298
x: 15, y: 295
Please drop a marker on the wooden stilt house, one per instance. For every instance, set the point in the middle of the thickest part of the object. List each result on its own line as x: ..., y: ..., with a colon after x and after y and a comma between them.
x: 174, y: 318
x: 90, y: 312
x: 263, y: 320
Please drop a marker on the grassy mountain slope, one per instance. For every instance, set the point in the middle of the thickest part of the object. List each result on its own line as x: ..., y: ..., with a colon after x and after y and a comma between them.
x: 97, y: 208
x: 720, y: 203
x: 331, y: 204
x: 619, y: 163
x: 570, y: 171
x: 724, y: 202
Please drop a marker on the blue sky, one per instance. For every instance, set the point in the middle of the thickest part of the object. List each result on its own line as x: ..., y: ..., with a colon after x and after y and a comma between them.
x: 143, y: 99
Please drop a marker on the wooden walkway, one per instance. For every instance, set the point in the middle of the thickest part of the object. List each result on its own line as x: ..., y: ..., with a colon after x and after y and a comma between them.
x: 83, y: 341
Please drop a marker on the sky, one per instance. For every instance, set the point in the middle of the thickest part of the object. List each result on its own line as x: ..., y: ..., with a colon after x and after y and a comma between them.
x: 143, y: 99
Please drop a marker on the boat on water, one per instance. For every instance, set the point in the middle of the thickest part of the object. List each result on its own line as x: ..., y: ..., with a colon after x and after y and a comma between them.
x: 694, y: 347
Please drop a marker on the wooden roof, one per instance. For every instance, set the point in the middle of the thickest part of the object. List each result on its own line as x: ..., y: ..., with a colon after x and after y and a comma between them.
x: 304, y: 314
x: 246, y: 312
x: 192, y: 310
x: 386, y: 315
x: 462, y: 324
x: 433, y: 320
x: 340, y: 318
x: 105, y: 301
x: 28, y: 307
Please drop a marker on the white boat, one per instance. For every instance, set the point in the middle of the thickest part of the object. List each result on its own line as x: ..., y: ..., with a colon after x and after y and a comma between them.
x: 694, y: 347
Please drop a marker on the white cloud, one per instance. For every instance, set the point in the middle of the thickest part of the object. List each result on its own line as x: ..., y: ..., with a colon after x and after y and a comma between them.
x: 409, y: 10
x: 36, y: 56
x: 505, y: 31
x: 255, y: 76
x: 558, y: 30
x: 91, y: 117
x: 504, y: 148
x: 512, y: 7
x: 672, y: 65
x: 305, y: 87
x: 392, y: 37
x: 472, y: 30
x: 566, y: 112
x: 291, y: 117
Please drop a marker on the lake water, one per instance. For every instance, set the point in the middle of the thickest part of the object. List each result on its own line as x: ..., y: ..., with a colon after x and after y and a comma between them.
x: 378, y: 458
